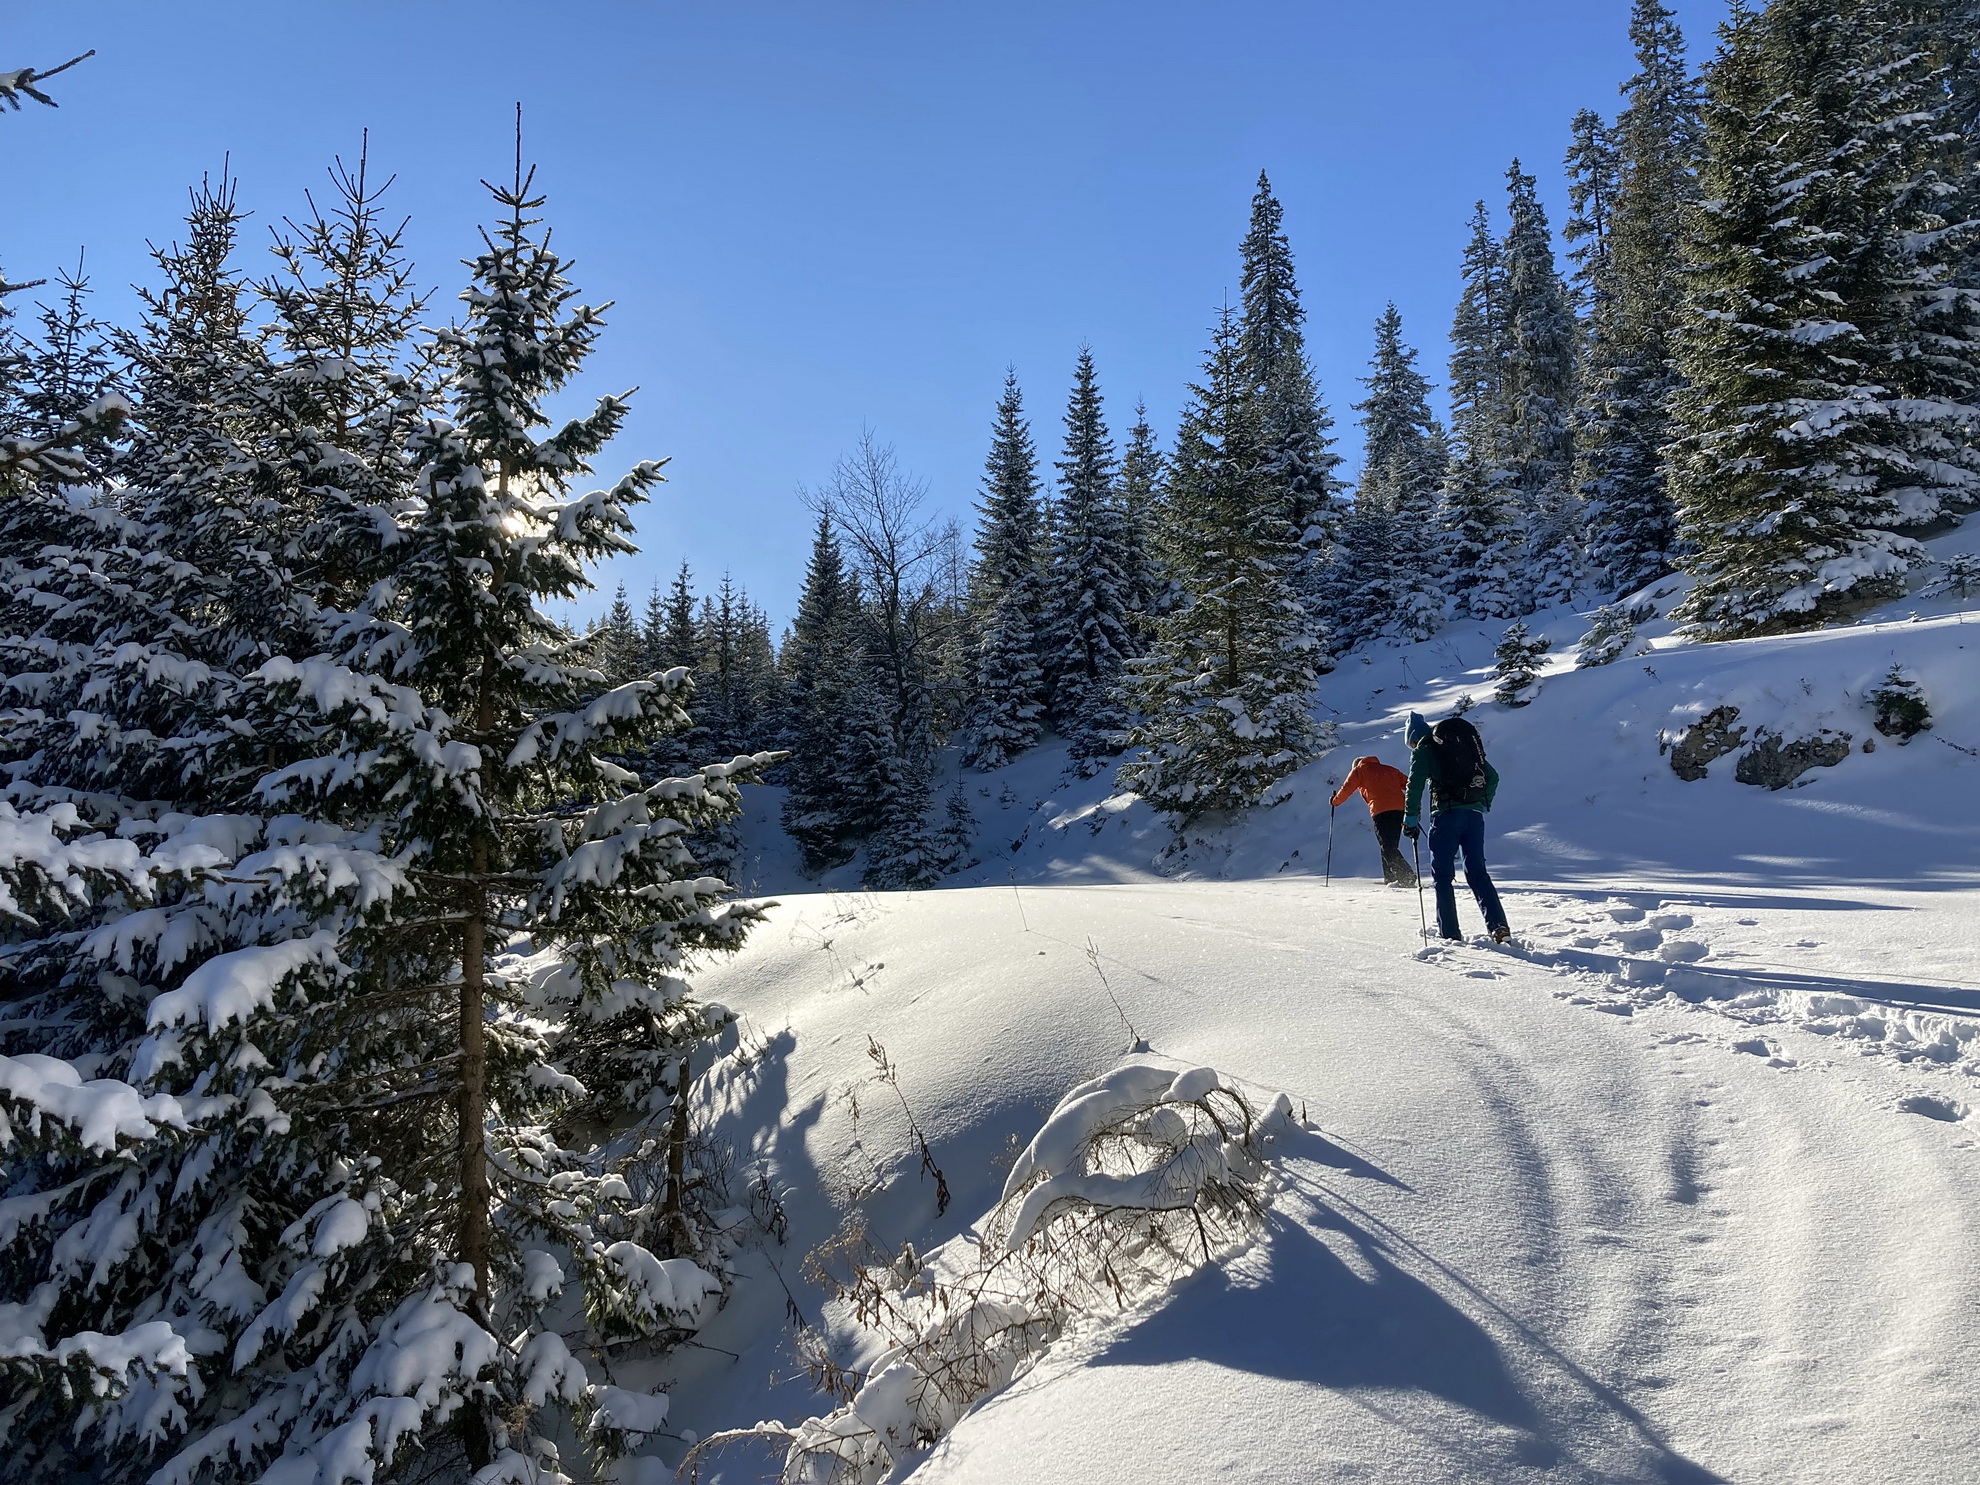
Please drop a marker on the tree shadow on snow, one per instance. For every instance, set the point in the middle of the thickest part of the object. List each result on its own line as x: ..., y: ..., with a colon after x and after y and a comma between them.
x: 1317, y: 1147
x: 1326, y: 1302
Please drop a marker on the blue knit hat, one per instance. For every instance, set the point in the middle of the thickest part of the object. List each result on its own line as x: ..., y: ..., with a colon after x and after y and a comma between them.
x: 1416, y: 729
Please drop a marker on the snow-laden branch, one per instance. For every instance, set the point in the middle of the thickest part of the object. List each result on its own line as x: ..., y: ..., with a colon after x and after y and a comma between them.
x: 1137, y: 1178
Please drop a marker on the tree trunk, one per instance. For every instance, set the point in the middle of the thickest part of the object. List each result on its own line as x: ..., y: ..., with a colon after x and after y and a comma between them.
x: 474, y: 1244
x: 674, y: 1210
x: 476, y: 1197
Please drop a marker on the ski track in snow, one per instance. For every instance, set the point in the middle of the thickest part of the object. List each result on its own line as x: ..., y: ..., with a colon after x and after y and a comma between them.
x: 1525, y: 1240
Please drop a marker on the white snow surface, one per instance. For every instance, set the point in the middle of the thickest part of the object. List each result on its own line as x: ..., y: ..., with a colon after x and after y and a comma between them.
x: 1539, y: 1229
x: 1678, y: 1187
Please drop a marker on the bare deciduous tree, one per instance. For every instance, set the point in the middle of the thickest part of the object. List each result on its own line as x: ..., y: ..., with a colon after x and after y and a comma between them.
x: 907, y: 562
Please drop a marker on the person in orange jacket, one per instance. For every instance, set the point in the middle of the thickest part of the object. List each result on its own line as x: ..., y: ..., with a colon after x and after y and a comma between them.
x: 1384, y: 789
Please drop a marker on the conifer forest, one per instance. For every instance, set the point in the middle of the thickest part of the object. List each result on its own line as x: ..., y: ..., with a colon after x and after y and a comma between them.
x: 372, y: 1106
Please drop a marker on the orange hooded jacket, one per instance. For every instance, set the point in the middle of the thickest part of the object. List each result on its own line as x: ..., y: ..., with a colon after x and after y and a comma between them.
x: 1382, y: 786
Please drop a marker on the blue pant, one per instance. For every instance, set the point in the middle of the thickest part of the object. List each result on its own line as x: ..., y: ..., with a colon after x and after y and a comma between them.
x: 1451, y: 831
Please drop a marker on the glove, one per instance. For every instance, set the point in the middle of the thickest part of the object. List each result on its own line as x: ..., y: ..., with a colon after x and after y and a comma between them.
x: 1411, y: 828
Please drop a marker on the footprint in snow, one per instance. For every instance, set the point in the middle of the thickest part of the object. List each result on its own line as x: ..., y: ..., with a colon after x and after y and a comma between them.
x: 1681, y: 951
x: 1931, y: 1106
x: 1759, y: 1046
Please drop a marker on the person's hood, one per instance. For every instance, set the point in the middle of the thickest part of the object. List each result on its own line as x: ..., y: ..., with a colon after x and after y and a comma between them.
x: 1416, y: 730
x: 1371, y: 760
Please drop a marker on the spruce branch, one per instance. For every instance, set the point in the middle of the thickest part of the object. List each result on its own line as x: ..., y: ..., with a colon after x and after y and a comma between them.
x: 14, y: 84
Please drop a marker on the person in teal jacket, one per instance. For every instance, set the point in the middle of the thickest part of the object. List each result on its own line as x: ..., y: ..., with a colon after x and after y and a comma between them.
x: 1457, y: 817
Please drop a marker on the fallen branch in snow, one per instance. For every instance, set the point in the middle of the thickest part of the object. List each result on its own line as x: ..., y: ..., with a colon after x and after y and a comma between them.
x: 1137, y: 1178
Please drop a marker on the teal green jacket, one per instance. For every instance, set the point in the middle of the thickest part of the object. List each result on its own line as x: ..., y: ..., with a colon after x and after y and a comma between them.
x: 1419, y: 775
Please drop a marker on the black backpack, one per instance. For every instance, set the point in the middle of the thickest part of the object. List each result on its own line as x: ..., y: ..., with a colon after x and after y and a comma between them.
x: 1457, y: 762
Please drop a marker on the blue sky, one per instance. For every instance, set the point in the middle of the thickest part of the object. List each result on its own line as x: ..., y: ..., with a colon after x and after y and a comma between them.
x: 818, y: 214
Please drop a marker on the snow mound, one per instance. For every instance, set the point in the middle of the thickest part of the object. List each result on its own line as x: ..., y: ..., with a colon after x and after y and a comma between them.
x: 1138, y: 1177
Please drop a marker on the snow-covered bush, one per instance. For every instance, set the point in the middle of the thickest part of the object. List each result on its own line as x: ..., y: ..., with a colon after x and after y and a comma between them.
x: 1517, y: 661
x: 1901, y: 709
x: 1958, y: 576
x: 958, y: 832
x: 1611, y: 631
x: 1136, y: 1179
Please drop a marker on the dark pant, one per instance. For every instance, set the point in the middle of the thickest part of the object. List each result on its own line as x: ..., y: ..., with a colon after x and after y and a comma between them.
x: 1388, y: 830
x: 1451, y: 831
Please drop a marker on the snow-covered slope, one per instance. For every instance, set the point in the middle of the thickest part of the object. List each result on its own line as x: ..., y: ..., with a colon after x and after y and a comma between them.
x: 1678, y: 1188
x: 1539, y: 1231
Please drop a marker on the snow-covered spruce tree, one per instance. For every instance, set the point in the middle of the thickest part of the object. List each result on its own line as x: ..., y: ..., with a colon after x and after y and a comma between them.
x: 1392, y: 537
x: 1224, y: 697
x: 59, y: 408
x: 1958, y: 574
x: 956, y: 839
x: 348, y: 390
x: 1298, y: 468
x: 13, y: 362
x: 1007, y: 690
x: 67, y: 368
x: 1480, y: 525
x: 1591, y: 171
x: 1611, y: 632
x: 1516, y: 662
x: 1899, y: 701
x: 652, y: 629
x: 673, y: 632
x: 734, y: 682
x: 1627, y: 378
x: 1537, y: 389
x: 1143, y: 475
x: 1930, y: 177
x: 1088, y: 636
x: 207, y: 458
x: 616, y: 649
x: 907, y: 851
x: 733, y: 678
x: 527, y: 985
x: 165, y: 978
x: 1357, y: 590
x: 1814, y: 424
x: 824, y: 810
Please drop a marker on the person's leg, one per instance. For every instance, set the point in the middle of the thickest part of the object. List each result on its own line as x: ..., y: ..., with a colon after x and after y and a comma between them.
x: 1475, y: 876
x: 1444, y: 833
x: 1388, y: 831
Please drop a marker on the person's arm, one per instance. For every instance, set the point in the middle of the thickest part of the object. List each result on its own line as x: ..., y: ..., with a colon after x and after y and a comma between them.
x: 1491, y: 783
x: 1348, y: 786
x: 1419, y: 774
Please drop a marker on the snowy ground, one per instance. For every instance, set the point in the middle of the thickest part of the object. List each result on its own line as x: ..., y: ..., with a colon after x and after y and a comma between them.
x: 1679, y: 1188
x: 1543, y: 1230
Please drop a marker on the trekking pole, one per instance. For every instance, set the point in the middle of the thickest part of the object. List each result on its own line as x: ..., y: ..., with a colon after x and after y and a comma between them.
x: 1328, y: 880
x: 1416, y: 849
